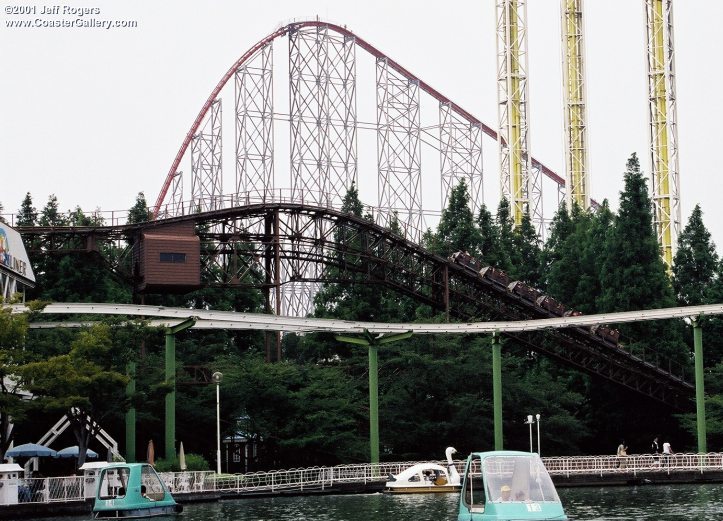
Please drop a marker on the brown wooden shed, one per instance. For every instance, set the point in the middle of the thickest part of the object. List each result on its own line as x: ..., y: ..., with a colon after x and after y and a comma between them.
x: 168, y: 259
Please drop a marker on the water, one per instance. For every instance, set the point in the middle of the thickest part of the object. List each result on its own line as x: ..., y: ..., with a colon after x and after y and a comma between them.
x: 647, y: 503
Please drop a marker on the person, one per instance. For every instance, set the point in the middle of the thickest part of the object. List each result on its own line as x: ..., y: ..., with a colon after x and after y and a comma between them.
x: 622, y: 449
x: 144, y: 494
x: 622, y: 452
x: 655, y: 449
x: 667, y: 449
x: 505, y: 493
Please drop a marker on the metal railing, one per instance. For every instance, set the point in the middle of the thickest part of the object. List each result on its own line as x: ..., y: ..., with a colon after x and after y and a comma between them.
x: 79, y: 488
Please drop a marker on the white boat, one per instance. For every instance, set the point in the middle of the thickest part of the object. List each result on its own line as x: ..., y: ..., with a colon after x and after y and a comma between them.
x: 426, y: 477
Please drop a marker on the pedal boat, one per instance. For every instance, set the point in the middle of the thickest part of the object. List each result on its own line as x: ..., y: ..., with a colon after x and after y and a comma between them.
x: 424, y: 478
x: 132, y: 490
x: 504, y: 485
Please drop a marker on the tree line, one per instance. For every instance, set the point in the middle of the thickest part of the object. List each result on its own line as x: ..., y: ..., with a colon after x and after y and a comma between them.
x: 311, y: 408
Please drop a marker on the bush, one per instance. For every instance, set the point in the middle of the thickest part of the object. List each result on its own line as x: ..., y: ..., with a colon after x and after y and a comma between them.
x: 194, y: 462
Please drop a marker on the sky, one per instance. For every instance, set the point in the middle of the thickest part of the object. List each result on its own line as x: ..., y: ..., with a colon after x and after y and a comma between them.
x: 96, y: 115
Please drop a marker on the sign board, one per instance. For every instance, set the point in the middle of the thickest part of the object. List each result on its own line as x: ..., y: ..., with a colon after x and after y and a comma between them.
x: 13, y: 257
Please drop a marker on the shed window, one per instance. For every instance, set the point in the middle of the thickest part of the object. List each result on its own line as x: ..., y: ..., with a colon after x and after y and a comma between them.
x: 176, y: 258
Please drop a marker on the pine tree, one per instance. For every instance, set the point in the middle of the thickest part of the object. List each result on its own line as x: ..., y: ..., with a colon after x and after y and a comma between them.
x: 633, y: 275
x: 27, y: 215
x: 50, y: 215
x: 591, y: 234
x: 139, y: 212
x: 526, y: 244
x: 695, y: 261
x: 505, y: 227
x: 456, y: 230
x: 489, y: 249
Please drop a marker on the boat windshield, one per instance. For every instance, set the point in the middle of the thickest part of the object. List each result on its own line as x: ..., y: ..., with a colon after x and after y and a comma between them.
x: 113, y: 482
x: 518, y: 479
x: 153, y: 485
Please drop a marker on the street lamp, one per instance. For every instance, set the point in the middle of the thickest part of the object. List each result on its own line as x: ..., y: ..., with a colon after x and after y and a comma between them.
x: 529, y: 422
x: 217, y: 377
x: 537, y: 416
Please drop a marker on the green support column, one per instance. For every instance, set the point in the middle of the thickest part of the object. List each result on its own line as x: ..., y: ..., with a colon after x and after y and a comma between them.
x: 372, y: 343
x: 699, y: 387
x: 373, y: 405
x: 131, y: 415
x: 171, y: 379
x: 497, y: 388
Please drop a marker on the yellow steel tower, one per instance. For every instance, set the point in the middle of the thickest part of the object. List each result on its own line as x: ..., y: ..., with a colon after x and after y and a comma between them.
x: 663, y: 126
x: 573, y: 70
x: 515, y: 168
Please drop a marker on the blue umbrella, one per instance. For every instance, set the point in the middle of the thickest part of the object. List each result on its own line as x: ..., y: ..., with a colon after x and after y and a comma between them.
x: 30, y: 450
x: 74, y: 451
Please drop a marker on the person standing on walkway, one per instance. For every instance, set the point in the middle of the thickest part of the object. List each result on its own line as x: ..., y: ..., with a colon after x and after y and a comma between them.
x: 655, y: 448
x: 622, y: 452
x: 667, y: 449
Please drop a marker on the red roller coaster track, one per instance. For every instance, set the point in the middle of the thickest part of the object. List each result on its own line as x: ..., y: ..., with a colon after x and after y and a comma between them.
x: 361, y: 43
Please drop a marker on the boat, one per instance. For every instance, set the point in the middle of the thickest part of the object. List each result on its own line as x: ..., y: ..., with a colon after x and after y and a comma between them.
x: 502, y: 485
x: 426, y: 477
x: 132, y: 490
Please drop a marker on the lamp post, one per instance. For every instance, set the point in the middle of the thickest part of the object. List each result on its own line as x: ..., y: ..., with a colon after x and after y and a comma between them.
x: 529, y: 422
x: 217, y: 377
x: 537, y: 417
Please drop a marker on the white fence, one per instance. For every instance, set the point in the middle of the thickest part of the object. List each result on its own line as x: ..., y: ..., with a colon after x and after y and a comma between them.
x: 78, y: 488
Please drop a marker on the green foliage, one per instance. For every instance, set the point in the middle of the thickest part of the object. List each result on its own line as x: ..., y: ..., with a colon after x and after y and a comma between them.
x: 456, y: 229
x: 27, y: 214
x: 695, y: 262
x: 139, y: 212
x: 194, y: 463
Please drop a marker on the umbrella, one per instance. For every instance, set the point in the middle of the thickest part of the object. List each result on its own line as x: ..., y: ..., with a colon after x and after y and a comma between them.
x: 30, y: 450
x: 181, y: 457
x: 151, y: 453
x: 74, y: 452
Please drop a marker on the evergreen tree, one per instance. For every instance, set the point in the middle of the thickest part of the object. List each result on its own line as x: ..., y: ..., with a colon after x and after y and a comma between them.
x: 560, y: 257
x: 50, y: 214
x: 526, y: 247
x: 633, y: 275
x: 591, y: 234
x: 695, y: 262
x: 27, y: 215
x: 2, y: 217
x: 139, y: 212
x: 456, y: 230
x: 505, y: 228
x: 489, y: 248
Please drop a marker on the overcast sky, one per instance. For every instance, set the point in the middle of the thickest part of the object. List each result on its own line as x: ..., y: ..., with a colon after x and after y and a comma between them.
x: 96, y: 115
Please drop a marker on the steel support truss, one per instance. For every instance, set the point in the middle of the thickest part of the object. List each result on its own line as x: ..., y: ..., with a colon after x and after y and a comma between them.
x: 574, y: 105
x: 460, y: 156
x: 176, y: 206
x: 254, y: 128
x: 662, y: 110
x: 322, y: 76
x: 521, y: 185
x: 399, y: 150
x: 206, y: 176
x: 252, y: 242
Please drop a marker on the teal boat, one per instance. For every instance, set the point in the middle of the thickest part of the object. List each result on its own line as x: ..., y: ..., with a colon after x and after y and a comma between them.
x: 508, y: 485
x: 132, y: 490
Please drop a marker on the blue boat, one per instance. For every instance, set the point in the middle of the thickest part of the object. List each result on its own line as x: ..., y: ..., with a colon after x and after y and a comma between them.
x: 132, y: 490
x: 506, y: 485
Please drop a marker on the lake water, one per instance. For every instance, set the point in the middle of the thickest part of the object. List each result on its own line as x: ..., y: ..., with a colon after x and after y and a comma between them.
x: 646, y: 503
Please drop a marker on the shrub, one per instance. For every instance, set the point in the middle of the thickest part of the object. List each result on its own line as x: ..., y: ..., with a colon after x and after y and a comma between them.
x: 194, y: 462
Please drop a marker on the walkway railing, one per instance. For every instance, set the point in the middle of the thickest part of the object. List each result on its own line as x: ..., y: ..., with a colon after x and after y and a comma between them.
x: 78, y: 488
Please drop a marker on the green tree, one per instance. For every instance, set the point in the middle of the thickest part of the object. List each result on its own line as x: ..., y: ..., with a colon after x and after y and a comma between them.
x: 489, y: 247
x: 505, y: 237
x: 139, y: 212
x: 633, y: 275
x: 50, y: 214
x: 81, y: 384
x: 456, y: 229
x: 27, y: 214
x: 695, y: 262
x: 13, y: 398
x: 526, y: 256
